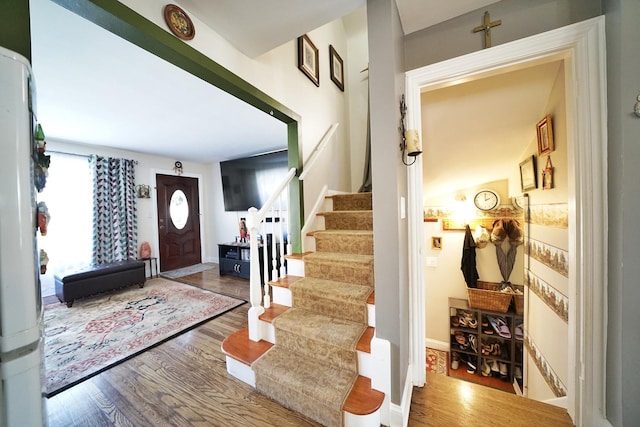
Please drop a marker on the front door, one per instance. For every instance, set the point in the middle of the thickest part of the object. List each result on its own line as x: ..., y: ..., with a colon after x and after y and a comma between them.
x: 178, y: 221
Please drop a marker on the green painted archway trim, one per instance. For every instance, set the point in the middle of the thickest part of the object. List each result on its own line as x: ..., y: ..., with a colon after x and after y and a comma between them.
x: 128, y: 24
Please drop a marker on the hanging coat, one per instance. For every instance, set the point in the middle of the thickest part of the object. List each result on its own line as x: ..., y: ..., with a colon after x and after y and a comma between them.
x: 468, y: 263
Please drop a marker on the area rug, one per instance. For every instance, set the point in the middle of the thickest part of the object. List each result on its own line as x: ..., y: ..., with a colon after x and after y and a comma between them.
x: 437, y: 361
x: 181, y: 272
x: 101, y: 331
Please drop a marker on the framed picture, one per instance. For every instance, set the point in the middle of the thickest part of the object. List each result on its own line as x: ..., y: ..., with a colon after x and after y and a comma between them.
x: 337, y: 68
x: 528, y: 178
x: 545, y: 136
x: 436, y: 243
x: 547, y: 175
x: 308, y: 59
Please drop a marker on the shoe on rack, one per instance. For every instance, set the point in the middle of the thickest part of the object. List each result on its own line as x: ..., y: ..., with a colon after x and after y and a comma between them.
x: 471, y: 364
x: 519, y: 332
x: 473, y: 342
x: 455, y: 321
x: 455, y: 360
x: 504, y: 371
x: 517, y: 373
x: 495, y: 368
x: 486, y: 369
x: 461, y: 339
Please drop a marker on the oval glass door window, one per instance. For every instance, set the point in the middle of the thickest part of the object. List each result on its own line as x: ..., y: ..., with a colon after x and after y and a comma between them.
x: 179, y: 209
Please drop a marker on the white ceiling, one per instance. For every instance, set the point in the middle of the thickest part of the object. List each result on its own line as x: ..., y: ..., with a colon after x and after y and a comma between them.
x: 95, y: 88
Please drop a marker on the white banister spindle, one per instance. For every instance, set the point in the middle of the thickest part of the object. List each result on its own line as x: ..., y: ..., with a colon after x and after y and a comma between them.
x: 265, y: 271
x: 255, y: 291
x: 283, y: 269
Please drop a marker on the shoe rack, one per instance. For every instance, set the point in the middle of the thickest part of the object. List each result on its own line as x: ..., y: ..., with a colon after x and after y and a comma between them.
x: 488, y: 345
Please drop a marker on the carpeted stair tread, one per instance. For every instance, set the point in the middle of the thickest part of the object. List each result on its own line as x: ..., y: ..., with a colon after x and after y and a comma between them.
x: 337, y: 299
x: 348, y: 220
x: 344, y: 334
x: 344, y: 241
x: 304, y: 385
x: 351, y: 268
x: 354, y: 201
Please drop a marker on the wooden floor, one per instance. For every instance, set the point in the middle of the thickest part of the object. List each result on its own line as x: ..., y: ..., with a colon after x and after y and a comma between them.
x: 184, y: 382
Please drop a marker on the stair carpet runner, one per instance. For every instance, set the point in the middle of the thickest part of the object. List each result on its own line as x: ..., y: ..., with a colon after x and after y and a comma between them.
x: 313, y: 364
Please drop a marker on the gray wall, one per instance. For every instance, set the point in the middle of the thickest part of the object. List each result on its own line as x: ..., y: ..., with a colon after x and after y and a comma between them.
x: 520, y: 18
x: 623, y: 83
x: 389, y: 176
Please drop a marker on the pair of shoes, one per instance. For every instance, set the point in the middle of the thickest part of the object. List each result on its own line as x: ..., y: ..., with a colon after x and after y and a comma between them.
x: 486, y: 369
x: 519, y: 332
x: 467, y: 319
x: 471, y: 364
x: 491, y: 349
x: 473, y: 342
x: 495, y: 368
x: 455, y: 322
x: 461, y: 339
x: 499, y: 324
x: 455, y: 360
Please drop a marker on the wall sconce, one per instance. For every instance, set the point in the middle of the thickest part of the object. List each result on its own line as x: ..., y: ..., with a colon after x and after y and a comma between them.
x: 410, y: 145
x: 177, y: 167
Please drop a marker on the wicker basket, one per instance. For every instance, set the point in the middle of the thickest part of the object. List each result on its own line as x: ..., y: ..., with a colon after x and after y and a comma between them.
x: 519, y: 300
x: 487, y: 297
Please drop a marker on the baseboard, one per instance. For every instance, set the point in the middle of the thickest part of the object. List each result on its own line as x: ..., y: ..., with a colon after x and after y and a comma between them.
x: 399, y: 414
x: 437, y: 345
x: 558, y: 401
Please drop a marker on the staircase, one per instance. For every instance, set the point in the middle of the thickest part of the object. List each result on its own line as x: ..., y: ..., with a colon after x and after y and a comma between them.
x: 317, y: 359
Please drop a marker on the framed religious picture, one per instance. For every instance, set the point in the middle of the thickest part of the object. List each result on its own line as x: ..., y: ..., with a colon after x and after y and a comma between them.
x: 545, y: 136
x: 436, y: 243
x: 528, y: 178
x: 337, y: 68
x: 308, y: 59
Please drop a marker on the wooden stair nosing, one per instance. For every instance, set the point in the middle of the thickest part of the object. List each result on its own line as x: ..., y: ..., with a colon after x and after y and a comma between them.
x: 363, y: 400
x: 364, y: 343
x: 285, y: 282
x: 296, y: 255
x: 272, y: 312
x: 239, y: 347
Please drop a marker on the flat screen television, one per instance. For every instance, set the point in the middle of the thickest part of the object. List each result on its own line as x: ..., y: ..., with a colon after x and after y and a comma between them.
x: 250, y: 181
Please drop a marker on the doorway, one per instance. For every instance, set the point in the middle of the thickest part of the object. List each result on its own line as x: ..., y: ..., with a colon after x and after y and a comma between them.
x: 178, y: 207
x: 582, y: 46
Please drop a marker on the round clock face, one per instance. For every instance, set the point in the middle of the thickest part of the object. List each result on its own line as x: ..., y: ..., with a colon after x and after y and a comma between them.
x: 486, y: 200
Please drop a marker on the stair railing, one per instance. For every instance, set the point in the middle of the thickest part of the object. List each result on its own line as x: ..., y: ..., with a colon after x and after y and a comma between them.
x: 257, y: 222
x: 259, y: 291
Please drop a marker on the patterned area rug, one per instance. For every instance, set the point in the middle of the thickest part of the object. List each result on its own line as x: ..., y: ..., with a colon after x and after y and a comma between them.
x: 181, y: 272
x: 437, y: 361
x: 101, y: 331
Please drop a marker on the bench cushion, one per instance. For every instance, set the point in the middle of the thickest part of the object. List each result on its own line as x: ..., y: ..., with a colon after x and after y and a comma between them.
x: 89, y: 271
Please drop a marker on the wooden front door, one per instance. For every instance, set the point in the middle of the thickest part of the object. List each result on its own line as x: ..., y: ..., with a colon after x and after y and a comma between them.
x: 178, y: 221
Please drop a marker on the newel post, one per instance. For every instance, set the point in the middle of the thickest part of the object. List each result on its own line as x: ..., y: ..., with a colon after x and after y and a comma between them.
x: 255, y: 292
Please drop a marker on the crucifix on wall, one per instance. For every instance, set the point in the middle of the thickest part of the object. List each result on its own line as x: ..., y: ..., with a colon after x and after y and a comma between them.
x: 486, y: 27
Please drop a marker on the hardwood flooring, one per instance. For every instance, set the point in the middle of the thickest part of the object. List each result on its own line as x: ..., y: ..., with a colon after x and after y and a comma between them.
x: 184, y: 382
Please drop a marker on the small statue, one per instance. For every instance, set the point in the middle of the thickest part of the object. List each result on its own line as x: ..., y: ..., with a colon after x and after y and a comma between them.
x: 44, y: 260
x: 145, y: 250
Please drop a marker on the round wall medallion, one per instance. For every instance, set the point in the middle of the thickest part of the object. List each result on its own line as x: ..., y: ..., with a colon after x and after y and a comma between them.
x: 179, y: 22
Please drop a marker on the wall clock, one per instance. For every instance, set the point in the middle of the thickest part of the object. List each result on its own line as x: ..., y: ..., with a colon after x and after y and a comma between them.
x: 179, y: 22
x: 486, y: 200
x: 518, y: 202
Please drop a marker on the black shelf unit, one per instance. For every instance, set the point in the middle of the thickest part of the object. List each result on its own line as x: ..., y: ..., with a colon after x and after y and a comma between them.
x: 511, y: 349
x: 234, y: 259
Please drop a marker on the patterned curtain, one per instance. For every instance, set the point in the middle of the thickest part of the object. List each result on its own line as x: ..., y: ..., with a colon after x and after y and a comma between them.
x: 115, y: 222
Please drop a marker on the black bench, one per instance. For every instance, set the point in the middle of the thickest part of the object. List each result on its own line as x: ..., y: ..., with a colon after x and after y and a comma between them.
x: 95, y: 279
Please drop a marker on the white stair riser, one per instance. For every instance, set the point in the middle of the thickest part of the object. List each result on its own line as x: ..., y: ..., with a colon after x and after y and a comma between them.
x: 241, y: 371
x: 295, y: 267
x: 352, y: 420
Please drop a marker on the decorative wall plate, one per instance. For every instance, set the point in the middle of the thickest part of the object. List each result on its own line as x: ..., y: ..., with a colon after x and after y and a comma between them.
x: 179, y: 22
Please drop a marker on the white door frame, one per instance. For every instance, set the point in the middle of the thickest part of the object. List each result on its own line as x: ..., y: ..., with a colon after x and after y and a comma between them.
x: 582, y: 46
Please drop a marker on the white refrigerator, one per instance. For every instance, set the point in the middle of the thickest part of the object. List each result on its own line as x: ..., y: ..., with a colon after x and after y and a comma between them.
x: 21, y: 325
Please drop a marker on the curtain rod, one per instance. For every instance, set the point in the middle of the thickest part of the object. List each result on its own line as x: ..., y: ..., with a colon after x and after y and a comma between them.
x: 86, y: 156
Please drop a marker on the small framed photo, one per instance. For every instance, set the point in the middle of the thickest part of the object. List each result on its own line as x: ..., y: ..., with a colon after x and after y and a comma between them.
x: 547, y: 175
x: 308, y: 59
x: 436, y: 243
x: 528, y: 177
x: 337, y: 68
x: 544, y: 130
